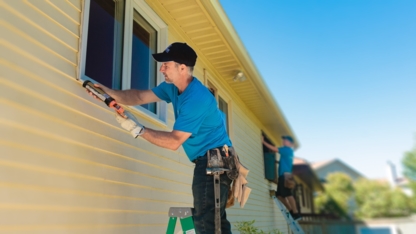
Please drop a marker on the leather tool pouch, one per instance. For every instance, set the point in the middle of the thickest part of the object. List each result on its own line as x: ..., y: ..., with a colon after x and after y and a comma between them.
x: 290, y: 182
x: 218, y: 159
x: 231, y: 164
x: 214, y: 159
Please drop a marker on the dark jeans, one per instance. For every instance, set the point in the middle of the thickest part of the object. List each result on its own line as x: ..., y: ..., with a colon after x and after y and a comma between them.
x: 204, y: 200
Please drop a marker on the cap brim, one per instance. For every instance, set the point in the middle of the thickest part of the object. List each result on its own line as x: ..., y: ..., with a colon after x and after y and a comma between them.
x: 162, y: 57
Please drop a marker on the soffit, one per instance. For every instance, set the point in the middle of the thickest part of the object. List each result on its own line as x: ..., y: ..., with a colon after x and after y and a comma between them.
x: 208, y: 30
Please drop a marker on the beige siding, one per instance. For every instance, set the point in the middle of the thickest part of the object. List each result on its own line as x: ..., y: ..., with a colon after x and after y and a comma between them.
x: 66, y: 166
x: 260, y: 206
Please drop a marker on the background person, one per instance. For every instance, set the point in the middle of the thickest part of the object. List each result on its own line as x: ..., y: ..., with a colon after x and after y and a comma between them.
x: 285, y: 166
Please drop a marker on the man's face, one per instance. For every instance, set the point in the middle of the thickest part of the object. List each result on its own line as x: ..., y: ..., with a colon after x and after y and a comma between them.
x: 287, y: 143
x: 171, y: 71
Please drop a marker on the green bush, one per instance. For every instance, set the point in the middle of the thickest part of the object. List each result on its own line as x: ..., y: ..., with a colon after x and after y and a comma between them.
x: 247, y: 227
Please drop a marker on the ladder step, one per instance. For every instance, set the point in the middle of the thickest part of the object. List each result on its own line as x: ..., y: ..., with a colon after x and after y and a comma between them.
x: 180, y: 212
x: 185, y: 216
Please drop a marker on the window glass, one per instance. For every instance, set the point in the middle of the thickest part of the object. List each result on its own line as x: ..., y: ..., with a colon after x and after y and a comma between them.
x: 143, y: 66
x: 223, y: 106
x: 105, y: 42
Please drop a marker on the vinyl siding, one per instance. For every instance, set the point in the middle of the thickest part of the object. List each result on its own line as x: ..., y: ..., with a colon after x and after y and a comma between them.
x: 260, y: 206
x: 65, y: 164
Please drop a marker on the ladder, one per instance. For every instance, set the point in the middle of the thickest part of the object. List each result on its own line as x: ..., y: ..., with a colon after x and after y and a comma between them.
x: 185, y: 217
x: 294, y: 226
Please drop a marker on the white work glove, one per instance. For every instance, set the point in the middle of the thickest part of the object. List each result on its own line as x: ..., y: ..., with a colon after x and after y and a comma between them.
x: 130, y: 124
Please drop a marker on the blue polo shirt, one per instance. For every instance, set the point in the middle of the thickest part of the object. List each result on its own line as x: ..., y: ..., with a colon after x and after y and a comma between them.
x: 196, y: 112
x: 286, y: 160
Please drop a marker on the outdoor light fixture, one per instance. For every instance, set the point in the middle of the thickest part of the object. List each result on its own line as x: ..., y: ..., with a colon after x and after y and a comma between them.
x: 239, y: 76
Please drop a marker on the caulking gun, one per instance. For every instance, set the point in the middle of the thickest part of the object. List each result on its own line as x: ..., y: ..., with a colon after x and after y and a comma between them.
x: 107, y: 99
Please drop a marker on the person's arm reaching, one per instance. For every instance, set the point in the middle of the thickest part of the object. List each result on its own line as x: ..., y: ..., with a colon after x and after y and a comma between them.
x: 271, y: 147
x: 169, y: 140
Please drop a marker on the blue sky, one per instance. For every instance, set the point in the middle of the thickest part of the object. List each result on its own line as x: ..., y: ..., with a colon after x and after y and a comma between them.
x: 343, y: 72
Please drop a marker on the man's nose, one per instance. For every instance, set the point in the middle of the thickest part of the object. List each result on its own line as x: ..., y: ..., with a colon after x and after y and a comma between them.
x: 161, y: 68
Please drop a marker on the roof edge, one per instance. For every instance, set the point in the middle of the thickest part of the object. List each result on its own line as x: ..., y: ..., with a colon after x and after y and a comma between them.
x: 218, y: 15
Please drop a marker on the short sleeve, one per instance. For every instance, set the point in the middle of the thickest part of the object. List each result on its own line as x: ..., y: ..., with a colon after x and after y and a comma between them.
x: 164, y: 91
x: 191, y: 116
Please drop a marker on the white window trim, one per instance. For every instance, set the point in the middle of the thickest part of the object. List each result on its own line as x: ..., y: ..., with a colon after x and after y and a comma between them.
x: 83, y: 39
x: 162, y: 41
x: 211, y: 83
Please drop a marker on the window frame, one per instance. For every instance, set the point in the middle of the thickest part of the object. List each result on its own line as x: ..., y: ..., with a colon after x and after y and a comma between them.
x: 211, y: 84
x: 227, y: 115
x: 142, y: 8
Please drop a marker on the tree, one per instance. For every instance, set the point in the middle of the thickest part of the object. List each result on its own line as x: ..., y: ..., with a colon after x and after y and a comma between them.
x: 376, y: 199
x: 409, y: 165
x: 338, y: 191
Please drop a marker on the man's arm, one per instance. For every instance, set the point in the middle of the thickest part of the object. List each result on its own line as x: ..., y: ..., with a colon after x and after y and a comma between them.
x: 131, y: 97
x: 170, y: 140
x: 271, y: 147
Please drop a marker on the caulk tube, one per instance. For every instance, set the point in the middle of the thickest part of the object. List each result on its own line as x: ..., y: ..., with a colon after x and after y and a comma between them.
x: 98, y: 92
x: 103, y: 96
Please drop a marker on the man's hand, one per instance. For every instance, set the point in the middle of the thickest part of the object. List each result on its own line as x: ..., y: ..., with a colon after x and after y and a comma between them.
x: 130, y: 124
x: 100, y: 86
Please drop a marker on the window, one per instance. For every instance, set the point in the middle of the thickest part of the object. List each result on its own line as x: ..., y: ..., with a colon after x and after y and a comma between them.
x: 143, y: 66
x: 213, y: 90
x: 119, y: 38
x: 105, y: 42
x: 301, y: 195
x: 223, y: 106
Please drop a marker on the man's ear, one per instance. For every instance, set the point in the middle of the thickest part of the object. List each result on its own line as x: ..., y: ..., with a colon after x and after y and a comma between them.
x: 182, y: 67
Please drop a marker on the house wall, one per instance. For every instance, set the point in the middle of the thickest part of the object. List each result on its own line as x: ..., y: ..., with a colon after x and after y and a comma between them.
x: 65, y: 164
x: 260, y: 206
x: 336, y: 166
x: 304, y: 197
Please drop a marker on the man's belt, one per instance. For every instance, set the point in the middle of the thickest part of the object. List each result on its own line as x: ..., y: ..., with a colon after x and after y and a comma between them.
x: 220, y: 160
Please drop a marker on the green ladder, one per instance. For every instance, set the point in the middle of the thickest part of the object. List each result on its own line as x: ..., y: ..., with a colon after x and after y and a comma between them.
x: 185, y: 216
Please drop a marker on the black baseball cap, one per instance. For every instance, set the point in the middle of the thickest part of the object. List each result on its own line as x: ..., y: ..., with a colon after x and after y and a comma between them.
x: 178, y: 52
x: 289, y: 138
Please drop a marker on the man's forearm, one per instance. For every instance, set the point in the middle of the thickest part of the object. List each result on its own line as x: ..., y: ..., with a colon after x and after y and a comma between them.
x: 168, y: 140
x: 271, y: 147
x: 129, y: 97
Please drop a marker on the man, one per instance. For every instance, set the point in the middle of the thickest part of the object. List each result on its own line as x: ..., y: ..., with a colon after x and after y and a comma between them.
x: 285, y: 166
x: 198, y: 128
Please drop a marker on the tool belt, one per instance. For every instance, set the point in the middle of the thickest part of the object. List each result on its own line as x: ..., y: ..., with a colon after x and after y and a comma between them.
x: 220, y: 160
x: 290, y: 182
x: 224, y: 158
